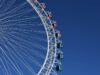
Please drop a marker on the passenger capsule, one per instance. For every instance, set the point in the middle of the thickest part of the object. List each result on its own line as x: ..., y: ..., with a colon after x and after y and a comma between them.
x: 58, y: 34
x: 49, y: 14
x: 58, y: 68
x: 43, y: 6
x: 60, y: 56
x: 54, y: 24
x: 59, y: 45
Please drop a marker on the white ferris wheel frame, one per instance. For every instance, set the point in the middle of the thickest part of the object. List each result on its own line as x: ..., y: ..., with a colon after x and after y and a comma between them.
x: 49, y: 63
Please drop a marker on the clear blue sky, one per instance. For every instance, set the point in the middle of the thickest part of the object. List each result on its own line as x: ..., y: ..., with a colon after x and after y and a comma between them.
x: 79, y: 21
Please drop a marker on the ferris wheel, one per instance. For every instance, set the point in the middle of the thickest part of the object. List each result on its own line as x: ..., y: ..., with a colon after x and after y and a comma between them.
x: 29, y: 39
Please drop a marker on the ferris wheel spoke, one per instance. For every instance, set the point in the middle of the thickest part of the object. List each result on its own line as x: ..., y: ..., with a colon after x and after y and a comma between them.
x: 38, y: 39
x: 10, y: 47
x: 29, y: 68
x: 17, y: 30
x: 29, y: 40
x: 39, y: 32
x: 21, y: 24
x: 20, y: 39
x: 22, y: 51
x: 20, y: 58
x: 6, y: 70
x: 15, y: 15
x: 24, y: 63
x: 12, y: 63
x: 2, y: 3
x: 7, y: 65
x: 17, y: 20
x: 27, y: 45
x: 29, y: 57
x: 7, y: 6
x: 8, y: 53
x: 14, y: 10
x: 17, y: 67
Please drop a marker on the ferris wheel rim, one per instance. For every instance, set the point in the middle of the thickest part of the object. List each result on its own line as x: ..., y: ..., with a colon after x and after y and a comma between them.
x: 20, y: 21
x: 40, y: 15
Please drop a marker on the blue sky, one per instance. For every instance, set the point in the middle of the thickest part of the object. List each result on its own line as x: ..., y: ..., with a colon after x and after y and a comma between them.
x: 79, y: 22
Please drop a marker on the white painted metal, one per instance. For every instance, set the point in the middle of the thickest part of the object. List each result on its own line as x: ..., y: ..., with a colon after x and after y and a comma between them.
x: 49, y: 63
